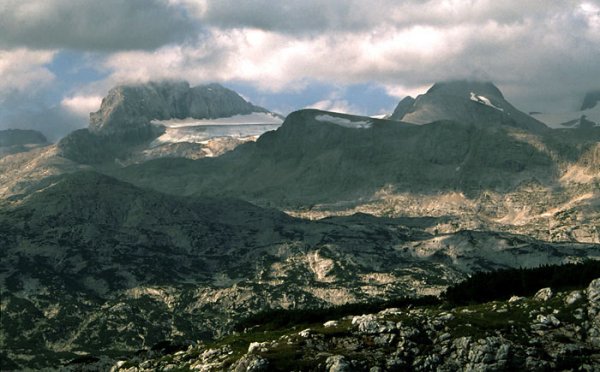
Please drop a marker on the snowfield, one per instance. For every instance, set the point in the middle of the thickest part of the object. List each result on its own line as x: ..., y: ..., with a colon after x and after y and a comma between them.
x: 246, y: 127
x: 203, y: 133
x: 253, y: 118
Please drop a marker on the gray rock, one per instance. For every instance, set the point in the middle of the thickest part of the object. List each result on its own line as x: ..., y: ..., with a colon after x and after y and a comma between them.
x: 543, y: 294
x: 251, y: 363
x: 573, y: 297
x: 257, y: 346
x: 593, y: 292
x: 337, y: 363
x: 330, y: 324
x: 367, y: 324
x: 305, y: 333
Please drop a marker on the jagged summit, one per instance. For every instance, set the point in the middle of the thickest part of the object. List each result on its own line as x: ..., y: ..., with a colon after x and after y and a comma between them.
x: 129, y: 107
x: 467, y: 102
x: 591, y: 100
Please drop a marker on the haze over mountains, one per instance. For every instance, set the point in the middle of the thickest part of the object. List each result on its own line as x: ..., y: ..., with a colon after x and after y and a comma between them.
x: 587, y: 116
x: 113, y: 239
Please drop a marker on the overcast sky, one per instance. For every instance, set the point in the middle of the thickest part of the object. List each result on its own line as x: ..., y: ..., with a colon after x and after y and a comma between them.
x: 59, y: 57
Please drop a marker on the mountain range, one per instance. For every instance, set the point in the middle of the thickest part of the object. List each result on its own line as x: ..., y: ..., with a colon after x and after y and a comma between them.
x: 115, y: 240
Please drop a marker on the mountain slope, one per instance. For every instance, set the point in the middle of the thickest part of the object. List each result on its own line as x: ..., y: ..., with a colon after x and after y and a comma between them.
x: 320, y: 156
x: 321, y: 163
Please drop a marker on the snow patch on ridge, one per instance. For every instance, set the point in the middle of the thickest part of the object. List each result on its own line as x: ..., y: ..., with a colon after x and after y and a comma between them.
x: 200, y: 133
x: 484, y: 101
x: 343, y: 122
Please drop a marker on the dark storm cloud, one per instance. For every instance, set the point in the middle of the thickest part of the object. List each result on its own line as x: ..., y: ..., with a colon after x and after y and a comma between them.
x: 313, y: 16
x: 92, y: 25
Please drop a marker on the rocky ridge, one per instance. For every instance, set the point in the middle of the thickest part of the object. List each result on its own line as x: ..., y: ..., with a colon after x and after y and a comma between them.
x: 529, y: 183
x: 549, y: 331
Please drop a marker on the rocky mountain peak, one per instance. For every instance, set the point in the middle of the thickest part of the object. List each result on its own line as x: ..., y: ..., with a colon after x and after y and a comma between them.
x: 466, y: 102
x: 131, y: 107
x: 591, y: 100
x: 127, y: 117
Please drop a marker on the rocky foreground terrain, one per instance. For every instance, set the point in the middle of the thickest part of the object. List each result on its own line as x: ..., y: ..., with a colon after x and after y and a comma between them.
x: 548, y: 331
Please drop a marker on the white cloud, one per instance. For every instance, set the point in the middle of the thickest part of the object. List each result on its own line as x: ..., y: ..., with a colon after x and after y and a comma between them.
x: 82, y: 105
x: 22, y: 69
x: 537, y: 51
x: 93, y: 25
x: 316, y: 16
x: 335, y: 105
